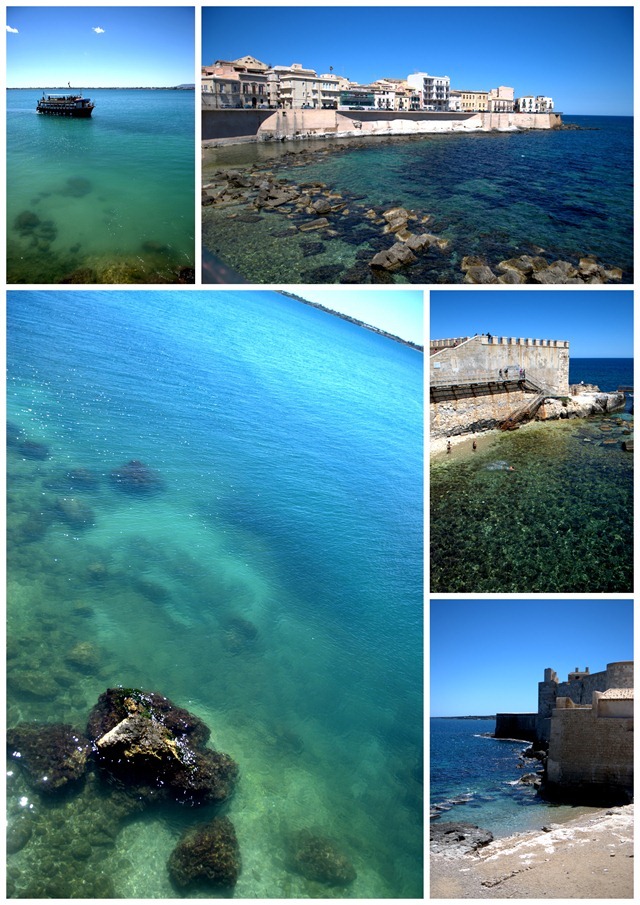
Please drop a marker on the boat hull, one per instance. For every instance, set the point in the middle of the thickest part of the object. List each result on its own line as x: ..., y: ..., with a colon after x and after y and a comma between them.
x: 82, y: 113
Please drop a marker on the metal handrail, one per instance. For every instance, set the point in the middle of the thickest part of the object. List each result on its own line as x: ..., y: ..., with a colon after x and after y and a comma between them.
x: 467, y: 379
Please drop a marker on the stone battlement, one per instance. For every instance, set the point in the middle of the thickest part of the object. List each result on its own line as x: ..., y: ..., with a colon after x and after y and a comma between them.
x: 488, y: 339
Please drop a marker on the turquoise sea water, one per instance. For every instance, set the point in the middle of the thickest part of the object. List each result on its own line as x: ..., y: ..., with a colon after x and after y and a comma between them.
x: 273, y: 587
x: 560, y: 522
x: 495, y: 195
x: 113, y: 195
x: 474, y: 779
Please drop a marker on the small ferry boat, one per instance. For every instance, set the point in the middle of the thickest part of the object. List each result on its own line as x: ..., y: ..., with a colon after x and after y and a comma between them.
x: 65, y: 105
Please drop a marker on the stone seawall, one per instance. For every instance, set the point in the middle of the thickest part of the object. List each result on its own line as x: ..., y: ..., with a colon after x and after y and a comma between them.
x: 481, y: 412
x: 485, y: 411
x: 297, y: 124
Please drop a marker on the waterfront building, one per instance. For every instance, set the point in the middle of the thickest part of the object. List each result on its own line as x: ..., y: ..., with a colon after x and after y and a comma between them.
x: 545, y: 104
x: 501, y: 100
x: 530, y: 104
x: 433, y: 90
x: 294, y: 86
x: 395, y: 94
x: 455, y: 102
x: 469, y: 101
x: 236, y: 83
x: 357, y: 97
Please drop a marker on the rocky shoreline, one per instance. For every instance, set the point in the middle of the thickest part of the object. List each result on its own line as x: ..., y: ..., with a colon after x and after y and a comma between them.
x: 588, y: 857
x: 587, y: 402
x: 393, y: 242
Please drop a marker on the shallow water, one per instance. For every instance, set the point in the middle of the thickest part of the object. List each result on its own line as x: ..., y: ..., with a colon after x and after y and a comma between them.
x: 496, y: 195
x: 474, y: 779
x: 273, y: 586
x: 562, y: 521
x: 113, y: 195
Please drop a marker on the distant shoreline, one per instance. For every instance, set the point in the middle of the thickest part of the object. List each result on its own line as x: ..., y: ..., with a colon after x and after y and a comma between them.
x: 353, y: 320
x: 492, y: 717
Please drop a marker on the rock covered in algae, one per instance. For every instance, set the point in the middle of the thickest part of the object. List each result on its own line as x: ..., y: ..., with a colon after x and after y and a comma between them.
x: 319, y: 858
x: 208, y: 853
x: 136, y: 477
x: 144, y: 741
x: 52, y: 755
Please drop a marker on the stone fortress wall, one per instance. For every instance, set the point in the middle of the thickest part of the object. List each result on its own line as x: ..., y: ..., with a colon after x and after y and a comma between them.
x: 467, y: 390
x: 578, y: 688
x: 587, y: 722
x: 545, y: 360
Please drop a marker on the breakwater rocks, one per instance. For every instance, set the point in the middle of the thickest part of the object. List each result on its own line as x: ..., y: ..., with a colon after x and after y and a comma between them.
x: 537, y: 269
x: 248, y: 211
x: 391, y: 239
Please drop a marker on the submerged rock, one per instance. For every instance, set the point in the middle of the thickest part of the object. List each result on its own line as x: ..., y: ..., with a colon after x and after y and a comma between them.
x: 26, y: 222
x: 136, y: 477
x: 75, y: 513
x: 31, y: 449
x: 52, y: 755
x: 208, y: 853
x: 77, y: 187
x: 146, y: 742
x: 73, y: 480
x: 80, y: 275
x: 319, y: 858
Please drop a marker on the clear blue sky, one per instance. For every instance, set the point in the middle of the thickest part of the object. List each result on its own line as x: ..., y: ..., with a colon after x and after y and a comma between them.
x: 580, y: 56
x: 488, y: 656
x: 93, y: 47
x: 397, y: 311
x: 598, y: 324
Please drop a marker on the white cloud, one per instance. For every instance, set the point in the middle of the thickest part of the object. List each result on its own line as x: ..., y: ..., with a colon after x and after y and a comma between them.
x: 14, y: 31
x: 98, y: 30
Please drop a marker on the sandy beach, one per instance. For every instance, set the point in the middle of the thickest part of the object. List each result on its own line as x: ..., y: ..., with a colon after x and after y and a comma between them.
x: 586, y: 858
x: 462, y: 444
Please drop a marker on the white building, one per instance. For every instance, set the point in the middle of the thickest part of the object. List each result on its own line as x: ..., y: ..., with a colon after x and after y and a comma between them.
x: 530, y: 104
x: 433, y: 89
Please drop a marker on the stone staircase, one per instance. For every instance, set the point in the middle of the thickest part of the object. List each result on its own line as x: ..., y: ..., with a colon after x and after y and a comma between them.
x: 528, y: 409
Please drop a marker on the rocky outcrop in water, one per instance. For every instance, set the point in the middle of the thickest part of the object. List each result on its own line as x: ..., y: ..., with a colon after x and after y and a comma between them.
x: 536, y: 269
x: 583, y: 405
x: 313, y: 207
x: 144, y: 741
x: 253, y: 194
x: 318, y: 858
x: 208, y: 853
x: 53, y: 756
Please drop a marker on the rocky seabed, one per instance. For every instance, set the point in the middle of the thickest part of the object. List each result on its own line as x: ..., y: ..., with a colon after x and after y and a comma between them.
x: 402, y: 240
